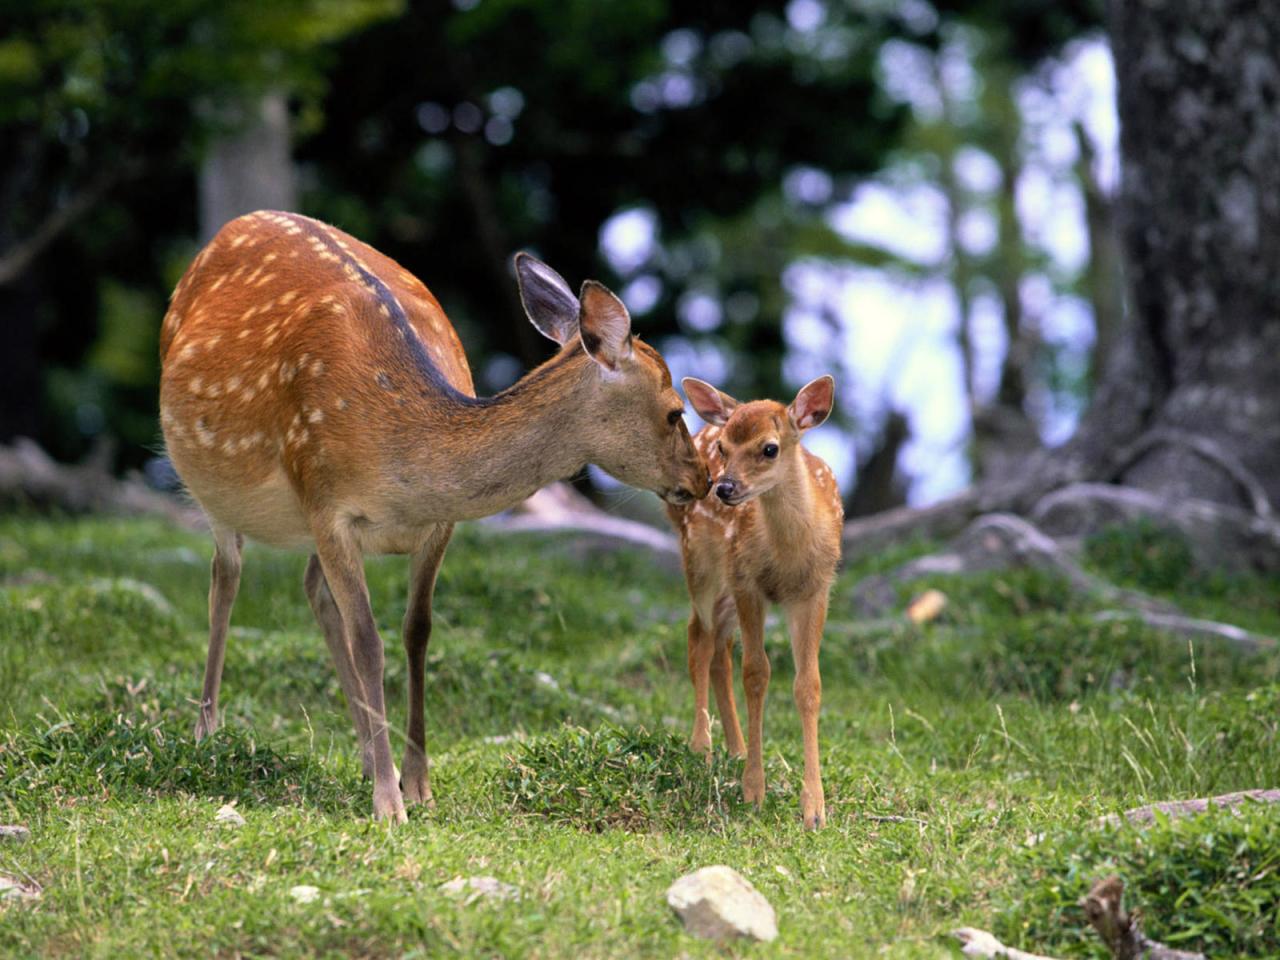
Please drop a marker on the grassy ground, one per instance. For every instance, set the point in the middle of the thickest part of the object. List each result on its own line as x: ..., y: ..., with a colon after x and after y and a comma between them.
x: 997, y: 736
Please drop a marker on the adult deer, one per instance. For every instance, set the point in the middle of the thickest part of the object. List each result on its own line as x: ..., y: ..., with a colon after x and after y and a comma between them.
x: 770, y: 535
x: 313, y: 394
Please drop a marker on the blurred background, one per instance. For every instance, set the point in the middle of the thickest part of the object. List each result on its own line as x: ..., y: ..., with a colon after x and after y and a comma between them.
x: 913, y: 195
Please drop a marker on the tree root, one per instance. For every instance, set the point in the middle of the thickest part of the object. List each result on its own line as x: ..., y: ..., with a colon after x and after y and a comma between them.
x: 1104, y: 906
x: 998, y: 541
x: 1120, y: 931
x: 1244, y: 640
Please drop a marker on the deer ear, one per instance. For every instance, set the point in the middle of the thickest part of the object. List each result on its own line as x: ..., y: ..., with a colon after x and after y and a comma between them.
x: 712, y: 405
x: 813, y: 403
x: 547, y: 299
x: 604, y: 325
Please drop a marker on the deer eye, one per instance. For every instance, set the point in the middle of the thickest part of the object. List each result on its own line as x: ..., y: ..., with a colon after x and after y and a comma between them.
x: 674, y: 417
x: 770, y: 450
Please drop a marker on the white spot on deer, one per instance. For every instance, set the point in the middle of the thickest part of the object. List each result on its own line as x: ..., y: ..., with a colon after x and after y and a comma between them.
x: 212, y: 342
x: 287, y: 297
x: 222, y: 278
x: 233, y: 384
x: 265, y: 277
x: 243, y: 333
x: 382, y: 309
x: 315, y: 416
x: 204, y: 435
x: 262, y: 381
x: 240, y: 239
x: 194, y: 385
x: 317, y: 367
x: 188, y: 351
x: 229, y: 447
x: 214, y: 390
x: 269, y: 257
x: 341, y: 404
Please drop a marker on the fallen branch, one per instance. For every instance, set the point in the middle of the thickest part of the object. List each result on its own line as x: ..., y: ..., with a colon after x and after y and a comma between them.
x: 866, y: 536
x: 1191, y: 808
x: 1191, y: 627
x: 1104, y: 906
x: 29, y: 476
x: 998, y: 541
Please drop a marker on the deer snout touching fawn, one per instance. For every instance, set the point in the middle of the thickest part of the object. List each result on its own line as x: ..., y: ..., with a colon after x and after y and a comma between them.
x: 313, y: 394
x: 770, y: 534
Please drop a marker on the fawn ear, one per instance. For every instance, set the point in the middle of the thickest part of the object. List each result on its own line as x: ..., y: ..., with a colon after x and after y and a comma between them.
x: 547, y: 299
x: 812, y: 404
x: 604, y: 325
x: 712, y: 405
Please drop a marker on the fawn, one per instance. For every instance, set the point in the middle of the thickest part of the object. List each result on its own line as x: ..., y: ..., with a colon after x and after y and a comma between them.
x: 313, y: 394
x: 771, y: 534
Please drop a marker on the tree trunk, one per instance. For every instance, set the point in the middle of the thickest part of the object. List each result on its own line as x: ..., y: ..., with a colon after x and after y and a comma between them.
x: 1189, y: 395
x: 1187, y: 409
x: 252, y: 170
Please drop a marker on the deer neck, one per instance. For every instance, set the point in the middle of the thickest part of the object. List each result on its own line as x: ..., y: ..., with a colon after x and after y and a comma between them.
x: 501, y: 449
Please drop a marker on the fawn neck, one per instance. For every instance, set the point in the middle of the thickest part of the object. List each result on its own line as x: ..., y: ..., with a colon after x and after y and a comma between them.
x: 788, y: 508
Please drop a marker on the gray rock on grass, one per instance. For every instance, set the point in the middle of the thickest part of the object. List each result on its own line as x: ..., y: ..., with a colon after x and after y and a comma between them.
x: 14, y: 833
x: 480, y: 888
x: 717, y: 903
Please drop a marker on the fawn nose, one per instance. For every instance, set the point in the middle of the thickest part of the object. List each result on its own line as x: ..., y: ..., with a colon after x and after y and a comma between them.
x: 725, y: 490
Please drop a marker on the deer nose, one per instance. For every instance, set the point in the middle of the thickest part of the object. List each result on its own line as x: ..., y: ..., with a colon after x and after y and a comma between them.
x: 725, y: 490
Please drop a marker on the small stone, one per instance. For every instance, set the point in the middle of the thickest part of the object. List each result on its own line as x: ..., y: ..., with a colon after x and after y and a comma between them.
x: 480, y: 888
x: 15, y: 833
x: 230, y: 815
x: 12, y: 890
x: 304, y: 893
x: 717, y: 903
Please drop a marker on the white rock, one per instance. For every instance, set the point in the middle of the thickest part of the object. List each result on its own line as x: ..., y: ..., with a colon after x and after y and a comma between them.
x: 15, y: 834
x: 11, y: 890
x: 478, y: 888
x: 717, y: 903
x: 229, y: 814
x: 304, y: 893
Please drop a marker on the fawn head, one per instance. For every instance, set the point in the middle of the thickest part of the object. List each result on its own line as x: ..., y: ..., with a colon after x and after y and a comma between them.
x: 758, y: 439
x: 632, y: 426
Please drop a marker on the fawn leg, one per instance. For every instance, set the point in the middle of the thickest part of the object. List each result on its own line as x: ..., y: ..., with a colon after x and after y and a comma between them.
x: 806, y: 620
x: 722, y: 676
x: 755, y: 682
x: 701, y: 649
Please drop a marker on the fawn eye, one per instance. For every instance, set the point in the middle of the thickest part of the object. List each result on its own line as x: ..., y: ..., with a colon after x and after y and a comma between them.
x: 770, y: 450
x: 674, y: 417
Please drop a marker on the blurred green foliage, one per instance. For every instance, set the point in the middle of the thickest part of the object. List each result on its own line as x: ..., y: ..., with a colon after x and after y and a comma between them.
x: 448, y: 135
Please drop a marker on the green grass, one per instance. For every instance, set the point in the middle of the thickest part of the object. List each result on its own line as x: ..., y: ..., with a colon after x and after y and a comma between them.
x: 966, y: 763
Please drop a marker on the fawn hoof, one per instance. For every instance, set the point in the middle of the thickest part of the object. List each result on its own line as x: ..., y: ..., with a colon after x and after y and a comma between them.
x: 813, y: 809
x: 701, y: 743
x: 753, y: 789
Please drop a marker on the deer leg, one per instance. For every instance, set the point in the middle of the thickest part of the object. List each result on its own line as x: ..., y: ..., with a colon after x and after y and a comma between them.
x: 335, y: 638
x: 806, y: 620
x: 224, y: 583
x: 722, y: 677
x: 343, y: 566
x: 414, y: 779
x: 755, y: 683
x: 701, y: 649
